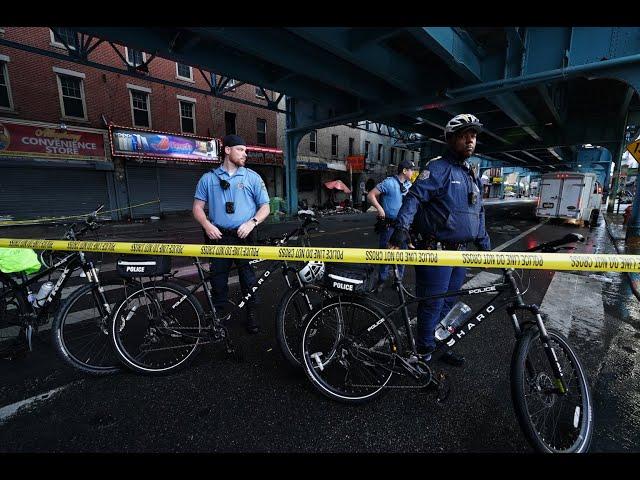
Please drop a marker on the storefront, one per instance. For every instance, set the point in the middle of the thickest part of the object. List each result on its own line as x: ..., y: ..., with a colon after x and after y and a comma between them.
x: 268, y: 163
x: 48, y: 171
x: 160, y: 170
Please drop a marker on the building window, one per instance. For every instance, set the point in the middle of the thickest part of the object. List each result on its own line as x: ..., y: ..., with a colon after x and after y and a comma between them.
x: 380, y: 153
x: 134, y: 57
x: 351, y: 140
x: 334, y: 145
x: 72, y: 99
x: 70, y: 37
x: 402, y: 152
x: 6, y: 101
x: 187, y: 116
x: 366, y: 149
x: 229, y: 123
x: 393, y: 156
x: 313, y: 142
x: 140, y: 108
x: 262, y: 131
x: 259, y: 93
x: 184, y: 72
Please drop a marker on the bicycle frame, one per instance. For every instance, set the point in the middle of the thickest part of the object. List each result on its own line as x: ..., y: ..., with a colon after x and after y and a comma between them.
x: 508, y: 294
x: 70, y: 263
x: 286, y: 269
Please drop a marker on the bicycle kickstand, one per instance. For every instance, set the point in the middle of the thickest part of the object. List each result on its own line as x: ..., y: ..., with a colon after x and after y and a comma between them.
x: 231, y: 350
x: 442, y: 387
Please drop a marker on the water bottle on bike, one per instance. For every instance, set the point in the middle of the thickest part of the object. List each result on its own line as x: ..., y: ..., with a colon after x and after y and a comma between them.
x: 456, y: 317
x: 38, y: 299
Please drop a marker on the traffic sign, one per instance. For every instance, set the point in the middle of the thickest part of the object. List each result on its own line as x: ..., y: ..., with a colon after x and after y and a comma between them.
x: 634, y: 149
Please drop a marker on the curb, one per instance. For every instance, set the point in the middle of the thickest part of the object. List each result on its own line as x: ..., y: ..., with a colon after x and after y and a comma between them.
x: 634, y: 278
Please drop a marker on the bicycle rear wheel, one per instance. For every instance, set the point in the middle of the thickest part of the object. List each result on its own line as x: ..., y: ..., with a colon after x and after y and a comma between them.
x: 291, y: 318
x: 349, y: 350
x: 13, y: 312
x: 552, y: 422
x: 80, y: 329
x: 158, y: 329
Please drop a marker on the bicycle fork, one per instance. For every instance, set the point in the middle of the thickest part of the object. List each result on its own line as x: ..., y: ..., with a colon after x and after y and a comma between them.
x: 559, y: 381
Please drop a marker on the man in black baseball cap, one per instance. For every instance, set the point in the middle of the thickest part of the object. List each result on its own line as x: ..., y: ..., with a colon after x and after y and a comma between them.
x: 238, y: 201
x: 408, y: 164
x: 386, y: 197
x: 232, y: 141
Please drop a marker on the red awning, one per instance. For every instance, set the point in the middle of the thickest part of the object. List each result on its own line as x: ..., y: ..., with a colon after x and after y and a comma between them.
x: 337, y: 185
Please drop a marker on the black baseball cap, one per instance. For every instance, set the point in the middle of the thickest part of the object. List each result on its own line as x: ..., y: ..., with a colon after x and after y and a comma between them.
x: 232, y: 141
x: 406, y: 164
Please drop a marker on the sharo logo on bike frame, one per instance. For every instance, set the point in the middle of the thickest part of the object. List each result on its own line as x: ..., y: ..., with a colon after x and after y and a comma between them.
x: 470, y: 325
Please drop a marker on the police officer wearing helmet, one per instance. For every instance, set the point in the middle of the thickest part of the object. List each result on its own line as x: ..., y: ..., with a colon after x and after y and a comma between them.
x: 238, y: 201
x: 444, y: 206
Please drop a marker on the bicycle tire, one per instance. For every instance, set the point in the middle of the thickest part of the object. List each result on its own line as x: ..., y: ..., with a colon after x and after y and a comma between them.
x: 358, y: 354
x: 291, y: 318
x: 13, y: 308
x: 530, y: 373
x: 80, y: 334
x: 152, y: 324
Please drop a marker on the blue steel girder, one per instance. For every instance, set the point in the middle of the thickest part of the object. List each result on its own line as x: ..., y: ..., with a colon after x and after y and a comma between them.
x: 463, y: 58
x: 216, y: 57
x: 279, y: 47
x: 372, y: 57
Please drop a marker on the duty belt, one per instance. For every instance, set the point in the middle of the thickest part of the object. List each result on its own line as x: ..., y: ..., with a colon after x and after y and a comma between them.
x: 431, y: 243
x: 231, y: 232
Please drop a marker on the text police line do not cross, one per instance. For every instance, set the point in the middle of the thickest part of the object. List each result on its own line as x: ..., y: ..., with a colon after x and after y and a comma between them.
x: 539, y: 261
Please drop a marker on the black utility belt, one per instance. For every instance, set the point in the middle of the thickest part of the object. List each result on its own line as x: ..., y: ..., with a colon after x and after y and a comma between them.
x: 434, y: 244
x: 233, y: 232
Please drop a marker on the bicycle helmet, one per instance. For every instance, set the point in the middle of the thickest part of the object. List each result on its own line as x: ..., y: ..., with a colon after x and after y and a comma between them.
x: 311, y: 272
x: 461, y: 122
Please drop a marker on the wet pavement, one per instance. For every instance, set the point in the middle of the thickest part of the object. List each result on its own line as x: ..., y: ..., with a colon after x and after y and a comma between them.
x: 262, y: 405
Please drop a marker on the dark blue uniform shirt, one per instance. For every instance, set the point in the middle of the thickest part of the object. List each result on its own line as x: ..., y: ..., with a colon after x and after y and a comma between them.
x: 438, y: 204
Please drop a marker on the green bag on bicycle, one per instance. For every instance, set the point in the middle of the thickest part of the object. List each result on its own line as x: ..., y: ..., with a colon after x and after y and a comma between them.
x: 14, y: 260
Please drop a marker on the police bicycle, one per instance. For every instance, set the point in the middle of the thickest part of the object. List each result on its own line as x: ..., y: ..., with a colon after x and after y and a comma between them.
x: 351, y: 349
x: 159, y: 328
x: 80, y: 326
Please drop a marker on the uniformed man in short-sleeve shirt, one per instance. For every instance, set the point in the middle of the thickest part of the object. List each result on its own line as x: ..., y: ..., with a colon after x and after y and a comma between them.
x: 237, y: 202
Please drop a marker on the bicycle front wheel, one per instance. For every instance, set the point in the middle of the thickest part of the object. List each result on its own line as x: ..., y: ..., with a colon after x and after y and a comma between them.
x: 293, y: 310
x: 349, y: 350
x: 80, y: 329
x: 158, y: 329
x: 553, y: 422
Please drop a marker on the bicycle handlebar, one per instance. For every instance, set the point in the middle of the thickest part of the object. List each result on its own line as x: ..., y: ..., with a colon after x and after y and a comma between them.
x: 553, y: 246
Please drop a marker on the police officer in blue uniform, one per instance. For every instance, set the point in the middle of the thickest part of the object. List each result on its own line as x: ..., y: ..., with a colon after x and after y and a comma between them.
x: 444, y: 206
x: 386, y: 197
x: 238, y: 201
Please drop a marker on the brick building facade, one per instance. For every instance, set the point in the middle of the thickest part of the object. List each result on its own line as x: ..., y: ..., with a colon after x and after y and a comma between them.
x: 40, y: 92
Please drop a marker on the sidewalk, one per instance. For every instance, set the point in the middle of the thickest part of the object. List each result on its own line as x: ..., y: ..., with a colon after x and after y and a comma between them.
x: 617, y: 232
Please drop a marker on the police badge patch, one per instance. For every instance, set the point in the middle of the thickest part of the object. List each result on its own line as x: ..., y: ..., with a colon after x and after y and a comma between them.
x: 424, y: 175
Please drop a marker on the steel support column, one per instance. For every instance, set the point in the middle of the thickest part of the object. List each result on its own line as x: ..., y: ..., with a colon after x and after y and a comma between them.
x: 291, y: 140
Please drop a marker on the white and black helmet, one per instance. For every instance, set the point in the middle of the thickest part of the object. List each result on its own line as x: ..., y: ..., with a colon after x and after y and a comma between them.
x: 311, y: 272
x: 461, y: 122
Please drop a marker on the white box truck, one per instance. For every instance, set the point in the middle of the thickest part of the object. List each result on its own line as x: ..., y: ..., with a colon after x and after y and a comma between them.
x: 570, y: 195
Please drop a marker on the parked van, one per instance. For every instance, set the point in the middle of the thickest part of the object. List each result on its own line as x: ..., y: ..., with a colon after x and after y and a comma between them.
x: 571, y: 196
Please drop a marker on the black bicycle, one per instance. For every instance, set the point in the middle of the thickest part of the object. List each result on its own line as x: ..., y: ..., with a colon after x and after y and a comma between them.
x: 351, y: 349
x: 160, y: 327
x: 80, y: 326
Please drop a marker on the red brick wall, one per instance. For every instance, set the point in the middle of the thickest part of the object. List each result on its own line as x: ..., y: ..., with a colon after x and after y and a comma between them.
x: 35, y: 91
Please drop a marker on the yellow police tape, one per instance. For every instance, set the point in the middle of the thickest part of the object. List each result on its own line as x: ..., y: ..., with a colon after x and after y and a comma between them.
x: 538, y: 261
